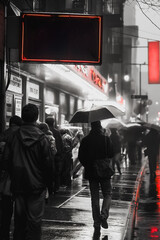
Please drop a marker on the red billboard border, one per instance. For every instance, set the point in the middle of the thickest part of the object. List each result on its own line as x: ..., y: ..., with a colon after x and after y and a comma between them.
x: 23, y: 59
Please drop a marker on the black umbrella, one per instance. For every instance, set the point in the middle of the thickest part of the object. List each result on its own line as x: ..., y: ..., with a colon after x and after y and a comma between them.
x: 151, y: 126
x: 95, y: 113
x: 133, y: 131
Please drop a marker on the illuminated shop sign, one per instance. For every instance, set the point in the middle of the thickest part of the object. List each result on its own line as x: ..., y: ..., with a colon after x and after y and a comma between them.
x: 91, y: 75
x: 18, y: 107
x: 96, y: 79
x: 153, y: 62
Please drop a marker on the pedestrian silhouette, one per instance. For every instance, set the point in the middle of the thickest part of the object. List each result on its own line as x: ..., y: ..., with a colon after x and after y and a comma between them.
x: 66, y: 178
x: 6, y: 197
x: 59, y: 146
x: 97, y: 145
x: 45, y: 128
x: 30, y: 168
x: 105, y: 237
x: 151, y: 142
x: 115, y: 138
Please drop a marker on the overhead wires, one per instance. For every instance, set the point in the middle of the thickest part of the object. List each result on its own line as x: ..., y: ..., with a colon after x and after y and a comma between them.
x: 151, y: 11
x: 147, y: 2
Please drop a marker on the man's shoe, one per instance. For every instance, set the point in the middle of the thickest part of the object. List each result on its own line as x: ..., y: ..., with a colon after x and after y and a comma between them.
x: 104, y: 223
x: 97, y: 233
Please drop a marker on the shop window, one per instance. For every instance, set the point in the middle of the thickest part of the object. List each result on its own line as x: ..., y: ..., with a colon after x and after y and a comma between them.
x: 49, y: 96
x: 63, y: 103
x: 33, y: 90
x: 79, y: 104
x: 52, y: 111
x: 62, y: 119
x: 72, y: 105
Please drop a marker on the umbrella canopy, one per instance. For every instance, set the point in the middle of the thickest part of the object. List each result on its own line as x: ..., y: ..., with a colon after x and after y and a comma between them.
x: 151, y: 126
x: 95, y: 113
x: 133, y: 131
x: 134, y: 128
x: 113, y: 123
x: 133, y: 125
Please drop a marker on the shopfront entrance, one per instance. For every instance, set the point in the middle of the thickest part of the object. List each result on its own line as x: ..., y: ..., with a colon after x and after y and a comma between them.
x: 52, y: 111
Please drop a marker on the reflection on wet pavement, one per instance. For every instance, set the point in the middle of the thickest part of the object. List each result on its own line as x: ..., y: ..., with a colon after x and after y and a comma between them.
x: 148, y: 215
x: 68, y: 213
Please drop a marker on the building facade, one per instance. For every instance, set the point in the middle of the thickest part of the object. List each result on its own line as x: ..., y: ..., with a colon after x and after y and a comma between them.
x: 60, y: 90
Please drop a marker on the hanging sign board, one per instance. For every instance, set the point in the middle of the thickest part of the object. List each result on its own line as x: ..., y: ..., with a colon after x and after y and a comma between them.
x: 153, y: 62
x: 61, y: 38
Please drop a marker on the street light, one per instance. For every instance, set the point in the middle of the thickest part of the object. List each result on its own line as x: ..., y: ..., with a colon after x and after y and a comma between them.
x: 126, y: 78
x: 140, y: 73
x: 140, y: 96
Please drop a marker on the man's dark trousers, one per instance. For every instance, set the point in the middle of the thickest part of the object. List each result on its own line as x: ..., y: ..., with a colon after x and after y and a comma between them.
x: 28, y: 214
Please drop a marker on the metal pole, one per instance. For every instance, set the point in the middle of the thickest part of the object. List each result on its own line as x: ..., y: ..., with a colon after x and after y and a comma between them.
x: 2, y: 67
x: 140, y: 79
x: 140, y: 87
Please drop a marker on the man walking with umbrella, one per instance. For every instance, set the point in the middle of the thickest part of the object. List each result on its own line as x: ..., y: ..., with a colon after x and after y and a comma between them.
x: 95, y: 146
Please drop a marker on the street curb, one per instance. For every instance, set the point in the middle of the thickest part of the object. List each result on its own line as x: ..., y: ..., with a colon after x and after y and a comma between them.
x: 130, y: 222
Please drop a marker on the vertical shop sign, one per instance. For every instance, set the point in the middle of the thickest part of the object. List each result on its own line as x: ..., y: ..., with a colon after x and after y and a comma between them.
x: 18, y: 107
x: 9, y: 105
x: 153, y: 62
x: 33, y: 90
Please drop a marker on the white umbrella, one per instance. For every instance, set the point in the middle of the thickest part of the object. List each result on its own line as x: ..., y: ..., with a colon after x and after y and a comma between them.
x: 113, y: 123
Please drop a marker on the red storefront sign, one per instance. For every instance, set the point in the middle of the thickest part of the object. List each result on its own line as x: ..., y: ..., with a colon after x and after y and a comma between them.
x: 92, y: 75
x: 153, y: 62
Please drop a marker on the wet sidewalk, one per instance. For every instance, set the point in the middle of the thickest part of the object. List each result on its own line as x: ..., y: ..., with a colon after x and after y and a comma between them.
x: 147, y: 221
x: 68, y: 213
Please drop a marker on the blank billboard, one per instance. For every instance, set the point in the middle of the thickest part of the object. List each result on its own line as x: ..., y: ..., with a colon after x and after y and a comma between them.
x: 61, y: 38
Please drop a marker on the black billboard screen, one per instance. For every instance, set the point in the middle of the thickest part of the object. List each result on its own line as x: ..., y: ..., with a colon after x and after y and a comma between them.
x: 60, y: 38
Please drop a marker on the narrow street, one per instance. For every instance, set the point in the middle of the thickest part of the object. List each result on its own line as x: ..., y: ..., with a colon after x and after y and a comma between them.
x: 77, y: 62
x: 68, y: 213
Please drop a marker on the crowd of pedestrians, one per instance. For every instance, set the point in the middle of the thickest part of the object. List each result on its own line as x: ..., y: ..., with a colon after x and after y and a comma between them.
x: 28, y: 160
x: 6, y: 196
x: 36, y: 159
